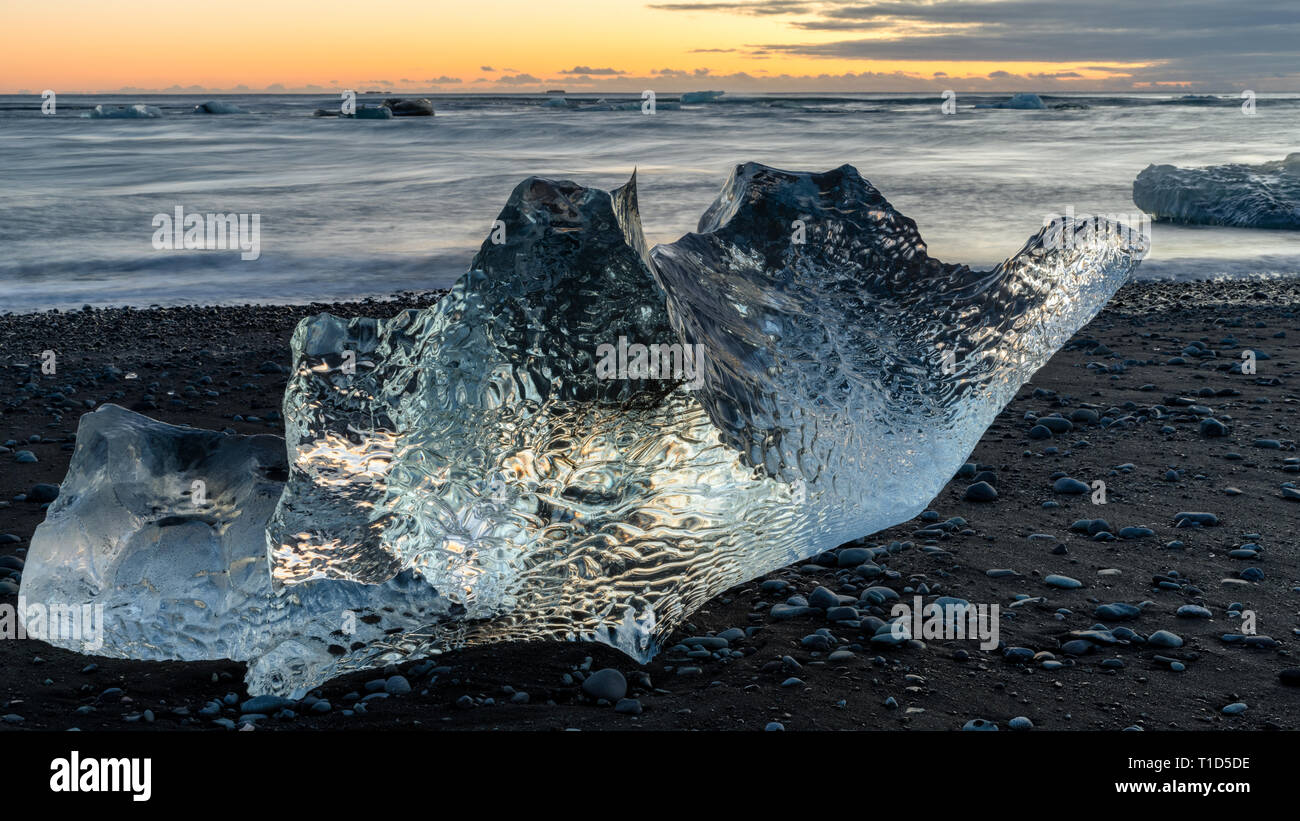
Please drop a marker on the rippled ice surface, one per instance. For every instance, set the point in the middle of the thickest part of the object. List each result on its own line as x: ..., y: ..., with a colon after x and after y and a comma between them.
x: 483, y: 471
x: 183, y: 575
x: 845, y: 377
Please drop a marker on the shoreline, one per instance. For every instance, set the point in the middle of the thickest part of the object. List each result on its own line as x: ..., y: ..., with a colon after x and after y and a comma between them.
x: 406, y: 298
x: 1216, y: 288
x: 223, y: 368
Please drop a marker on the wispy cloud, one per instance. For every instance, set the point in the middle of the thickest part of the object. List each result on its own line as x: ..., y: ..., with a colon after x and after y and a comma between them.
x: 763, y: 7
x: 601, y: 72
x: 1199, y: 41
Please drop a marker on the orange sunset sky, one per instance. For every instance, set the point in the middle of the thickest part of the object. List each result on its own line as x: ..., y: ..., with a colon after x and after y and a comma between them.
x: 616, y: 45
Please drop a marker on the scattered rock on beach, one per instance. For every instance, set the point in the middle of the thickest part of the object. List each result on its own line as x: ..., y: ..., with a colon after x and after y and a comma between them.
x: 608, y: 684
x: 980, y: 492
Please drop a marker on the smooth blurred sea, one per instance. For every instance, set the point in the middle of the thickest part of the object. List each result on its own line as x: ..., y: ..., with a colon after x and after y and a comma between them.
x: 352, y: 208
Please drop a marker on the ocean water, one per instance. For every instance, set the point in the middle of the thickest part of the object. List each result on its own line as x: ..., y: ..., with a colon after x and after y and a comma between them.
x: 350, y: 208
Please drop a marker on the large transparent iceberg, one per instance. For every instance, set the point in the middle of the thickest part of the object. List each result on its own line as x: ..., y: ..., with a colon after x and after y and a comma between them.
x: 844, y: 376
x: 584, y: 440
x: 1247, y: 196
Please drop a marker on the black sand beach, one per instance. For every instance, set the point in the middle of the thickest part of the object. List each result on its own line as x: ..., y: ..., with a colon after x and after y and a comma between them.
x: 1145, y: 438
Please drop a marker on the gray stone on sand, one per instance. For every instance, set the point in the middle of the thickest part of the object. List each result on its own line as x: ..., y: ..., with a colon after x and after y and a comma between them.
x: 608, y: 684
x: 1068, y: 485
x: 1062, y: 582
x: 1164, y: 638
x: 980, y: 492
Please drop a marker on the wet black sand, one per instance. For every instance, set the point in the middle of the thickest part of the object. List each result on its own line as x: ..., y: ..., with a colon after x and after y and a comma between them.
x: 180, y: 355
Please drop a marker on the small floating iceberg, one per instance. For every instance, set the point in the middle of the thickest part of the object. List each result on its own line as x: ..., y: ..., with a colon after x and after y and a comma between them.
x: 1027, y: 102
x: 422, y: 107
x: 218, y: 107
x: 1245, y: 196
x: 701, y: 96
x: 373, y: 112
x: 628, y: 105
x: 607, y: 105
x: 124, y: 112
x: 363, y: 112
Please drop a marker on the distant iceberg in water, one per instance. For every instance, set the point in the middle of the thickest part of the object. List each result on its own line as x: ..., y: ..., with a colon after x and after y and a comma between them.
x: 1246, y: 196
x: 218, y: 107
x: 373, y: 112
x: 606, y: 105
x: 1028, y: 102
x: 125, y: 112
x: 390, y: 108
x: 701, y: 96
x: 409, y: 107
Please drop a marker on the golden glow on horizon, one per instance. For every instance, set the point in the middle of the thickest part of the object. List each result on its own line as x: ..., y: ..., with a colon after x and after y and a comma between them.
x: 93, y: 46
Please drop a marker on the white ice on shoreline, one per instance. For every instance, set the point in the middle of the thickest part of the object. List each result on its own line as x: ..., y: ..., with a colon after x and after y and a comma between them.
x: 1246, y: 196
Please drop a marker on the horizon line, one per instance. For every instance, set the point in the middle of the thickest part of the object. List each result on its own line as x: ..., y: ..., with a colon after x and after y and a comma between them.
x: 485, y: 92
